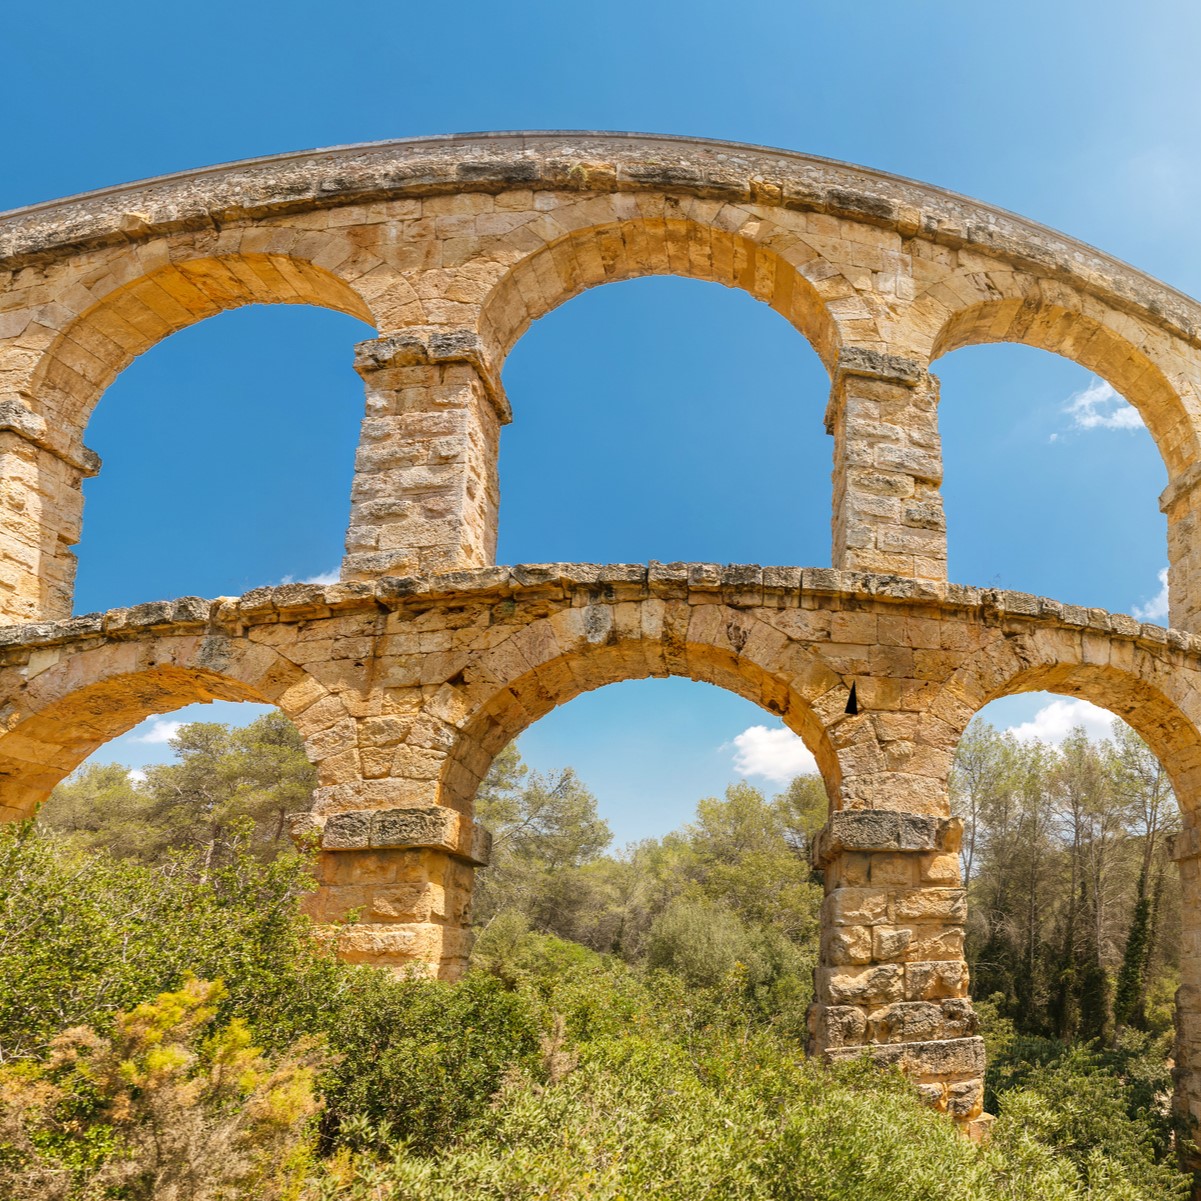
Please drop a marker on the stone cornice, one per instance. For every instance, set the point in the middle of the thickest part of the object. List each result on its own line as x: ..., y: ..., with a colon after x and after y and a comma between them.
x: 17, y: 418
x: 738, y: 585
x: 585, y: 162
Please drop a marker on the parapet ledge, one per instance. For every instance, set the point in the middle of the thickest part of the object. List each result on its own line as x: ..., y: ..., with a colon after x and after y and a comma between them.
x: 746, y: 585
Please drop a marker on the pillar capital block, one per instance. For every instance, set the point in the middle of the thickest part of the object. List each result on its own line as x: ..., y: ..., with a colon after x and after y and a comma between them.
x: 884, y: 831
x: 17, y: 419
x: 428, y: 827
x: 433, y: 346
x: 877, y: 364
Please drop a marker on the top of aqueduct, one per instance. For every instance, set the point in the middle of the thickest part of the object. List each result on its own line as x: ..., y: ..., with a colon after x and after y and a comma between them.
x: 551, y: 159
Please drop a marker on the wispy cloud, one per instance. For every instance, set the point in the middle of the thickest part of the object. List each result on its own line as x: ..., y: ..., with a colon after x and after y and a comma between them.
x: 136, y: 775
x: 1156, y: 609
x: 160, y: 731
x: 1099, y: 407
x: 326, y: 577
x: 1056, y: 720
x: 775, y: 755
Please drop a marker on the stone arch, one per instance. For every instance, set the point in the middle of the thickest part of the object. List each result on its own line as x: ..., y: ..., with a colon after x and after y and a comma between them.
x: 610, y: 239
x: 89, y: 352
x: 719, y: 645
x: 43, y: 459
x: 1006, y: 307
x: 90, y: 697
x: 1153, y: 697
x: 1156, y: 699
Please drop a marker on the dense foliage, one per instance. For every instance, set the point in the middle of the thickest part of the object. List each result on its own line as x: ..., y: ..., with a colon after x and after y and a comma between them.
x: 222, y: 775
x: 632, y: 1026
x: 1074, y: 908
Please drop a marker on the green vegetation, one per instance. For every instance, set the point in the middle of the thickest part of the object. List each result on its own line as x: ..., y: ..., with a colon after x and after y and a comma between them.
x: 632, y: 1026
x: 1074, y: 908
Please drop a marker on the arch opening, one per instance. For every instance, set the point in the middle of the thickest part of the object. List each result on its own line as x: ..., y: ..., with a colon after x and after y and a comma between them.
x: 133, y: 314
x: 87, y: 698
x: 772, y: 266
x: 686, y: 423
x: 202, y: 438
x: 1077, y: 789
x: 1067, y: 457
x: 1096, y: 343
x: 1074, y: 909
x: 796, y: 695
x: 678, y: 838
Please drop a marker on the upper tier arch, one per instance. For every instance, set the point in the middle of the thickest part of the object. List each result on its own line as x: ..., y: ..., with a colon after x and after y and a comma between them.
x: 451, y: 246
x: 136, y: 308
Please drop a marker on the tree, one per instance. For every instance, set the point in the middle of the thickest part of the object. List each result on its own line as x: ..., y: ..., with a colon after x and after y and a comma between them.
x: 1065, y: 854
x: 544, y: 829
x: 221, y: 775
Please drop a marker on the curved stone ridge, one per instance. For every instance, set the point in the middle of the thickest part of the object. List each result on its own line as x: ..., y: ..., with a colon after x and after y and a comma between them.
x: 451, y: 247
x: 573, y: 160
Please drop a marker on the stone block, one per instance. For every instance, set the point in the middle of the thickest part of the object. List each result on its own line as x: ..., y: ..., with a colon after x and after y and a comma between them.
x: 346, y: 832
x: 856, y: 906
x: 414, y: 827
x: 890, y: 943
x: 929, y: 904
x: 847, y: 945
x: 863, y: 986
x: 965, y: 1099
x: 839, y: 1025
x: 934, y: 980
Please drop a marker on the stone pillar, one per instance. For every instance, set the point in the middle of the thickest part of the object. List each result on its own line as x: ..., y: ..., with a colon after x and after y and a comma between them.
x: 888, y: 514
x: 891, y: 981
x: 425, y: 491
x: 396, y: 885
x: 1180, y: 502
x: 41, y: 514
x: 1186, y: 1072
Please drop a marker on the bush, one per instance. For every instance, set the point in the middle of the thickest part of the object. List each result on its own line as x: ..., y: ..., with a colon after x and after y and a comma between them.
x: 157, y: 1109
x: 563, y: 1073
x: 82, y: 936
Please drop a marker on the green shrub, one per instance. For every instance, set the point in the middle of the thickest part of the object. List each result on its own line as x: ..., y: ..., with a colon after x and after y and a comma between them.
x: 164, y: 1106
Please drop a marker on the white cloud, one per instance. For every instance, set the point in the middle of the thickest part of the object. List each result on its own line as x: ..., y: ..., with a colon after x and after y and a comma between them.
x: 1099, y: 407
x: 776, y: 755
x: 1156, y: 609
x: 1055, y: 721
x: 160, y: 730
x: 136, y: 775
x: 333, y: 576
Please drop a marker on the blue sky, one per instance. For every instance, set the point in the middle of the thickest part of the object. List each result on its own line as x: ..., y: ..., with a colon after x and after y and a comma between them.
x: 658, y: 418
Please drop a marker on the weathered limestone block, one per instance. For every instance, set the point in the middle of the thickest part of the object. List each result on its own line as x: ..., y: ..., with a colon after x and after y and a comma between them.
x: 431, y: 826
x: 888, y: 514
x: 425, y: 491
x: 41, y: 510
x: 921, y: 1021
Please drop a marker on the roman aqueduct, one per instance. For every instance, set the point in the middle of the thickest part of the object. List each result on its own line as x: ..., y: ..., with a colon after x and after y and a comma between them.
x: 407, y: 677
